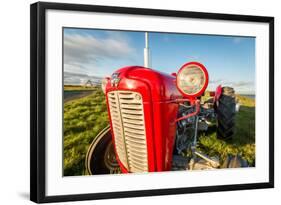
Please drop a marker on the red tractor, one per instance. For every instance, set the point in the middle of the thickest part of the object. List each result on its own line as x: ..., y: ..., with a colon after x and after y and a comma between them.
x: 155, y: 119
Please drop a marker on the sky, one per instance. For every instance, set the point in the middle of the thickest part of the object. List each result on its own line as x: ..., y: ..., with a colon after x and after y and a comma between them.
x: 92, y: 53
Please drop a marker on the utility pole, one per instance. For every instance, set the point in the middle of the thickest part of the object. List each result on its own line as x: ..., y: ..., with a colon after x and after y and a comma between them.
x: 147, y: 61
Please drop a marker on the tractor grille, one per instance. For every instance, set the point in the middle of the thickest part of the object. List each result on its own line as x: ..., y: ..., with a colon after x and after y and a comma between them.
x: 126, y: 111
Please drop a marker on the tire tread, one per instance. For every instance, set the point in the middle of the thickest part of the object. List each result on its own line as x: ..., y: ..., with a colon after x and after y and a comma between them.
x: 226, y: 114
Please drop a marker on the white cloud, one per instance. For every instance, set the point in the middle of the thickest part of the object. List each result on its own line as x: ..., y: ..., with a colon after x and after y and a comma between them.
x: 247, y: 87
x: 86, y: 53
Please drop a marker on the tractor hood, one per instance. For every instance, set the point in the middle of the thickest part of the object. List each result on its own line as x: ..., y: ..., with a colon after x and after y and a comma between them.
x: 161, y: 85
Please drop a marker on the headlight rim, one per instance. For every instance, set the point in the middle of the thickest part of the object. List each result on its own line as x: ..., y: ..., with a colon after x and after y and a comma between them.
x: 202, y: 90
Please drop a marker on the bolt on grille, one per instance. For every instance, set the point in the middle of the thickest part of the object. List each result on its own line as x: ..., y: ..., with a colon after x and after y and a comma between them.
x: 126, y: 111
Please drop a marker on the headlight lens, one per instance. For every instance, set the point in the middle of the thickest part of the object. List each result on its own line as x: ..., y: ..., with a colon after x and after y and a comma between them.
x: 192, y: 79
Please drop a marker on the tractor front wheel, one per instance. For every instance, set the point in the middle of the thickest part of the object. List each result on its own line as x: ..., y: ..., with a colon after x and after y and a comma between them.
x: 100, y: 158
x: 226, y: 114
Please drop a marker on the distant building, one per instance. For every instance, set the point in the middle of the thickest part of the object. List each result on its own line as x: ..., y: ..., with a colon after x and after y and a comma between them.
x: 89, y: 83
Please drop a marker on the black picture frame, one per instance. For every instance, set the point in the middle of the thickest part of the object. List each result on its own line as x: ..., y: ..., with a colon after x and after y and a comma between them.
x: 38, y: 100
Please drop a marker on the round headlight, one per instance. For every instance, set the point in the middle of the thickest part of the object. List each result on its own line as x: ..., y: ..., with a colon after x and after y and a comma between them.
x: 104, y: 82
x: 192, y: 79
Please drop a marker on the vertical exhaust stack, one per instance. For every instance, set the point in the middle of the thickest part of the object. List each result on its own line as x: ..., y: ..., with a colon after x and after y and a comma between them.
x: 147, y: 60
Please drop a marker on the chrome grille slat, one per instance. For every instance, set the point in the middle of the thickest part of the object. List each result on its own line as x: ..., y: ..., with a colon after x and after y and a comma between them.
x: 136, y: 162
x: 135, y: 145
x: 139, y: 155
x: 127, y: 116
x: 133, y: 135
x: 133, y: 126
x: 131, y: 106
x: 139, y: 152
x: 132, y: 116
x: 128, y: 101
x: 134, y: 140
x: 134, y: 131
x: 134, y: 112
x: 134, y: 122
x: 139, y: 166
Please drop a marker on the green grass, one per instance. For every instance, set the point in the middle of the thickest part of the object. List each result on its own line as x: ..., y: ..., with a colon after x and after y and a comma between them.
x: 243, y: 142
x: 83, y: 119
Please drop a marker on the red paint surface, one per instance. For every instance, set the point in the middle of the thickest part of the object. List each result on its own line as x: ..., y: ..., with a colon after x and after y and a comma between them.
x: 218, y: 92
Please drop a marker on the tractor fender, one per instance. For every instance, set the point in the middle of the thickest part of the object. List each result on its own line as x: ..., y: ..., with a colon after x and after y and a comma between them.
x: 217, y: 95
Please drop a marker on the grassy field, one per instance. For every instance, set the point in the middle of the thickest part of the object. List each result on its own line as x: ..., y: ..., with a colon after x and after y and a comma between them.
x: 84, y: 118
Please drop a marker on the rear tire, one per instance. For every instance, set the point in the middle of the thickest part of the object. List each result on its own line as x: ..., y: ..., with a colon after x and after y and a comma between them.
x: 100, y: 158
x: 226, y: 114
